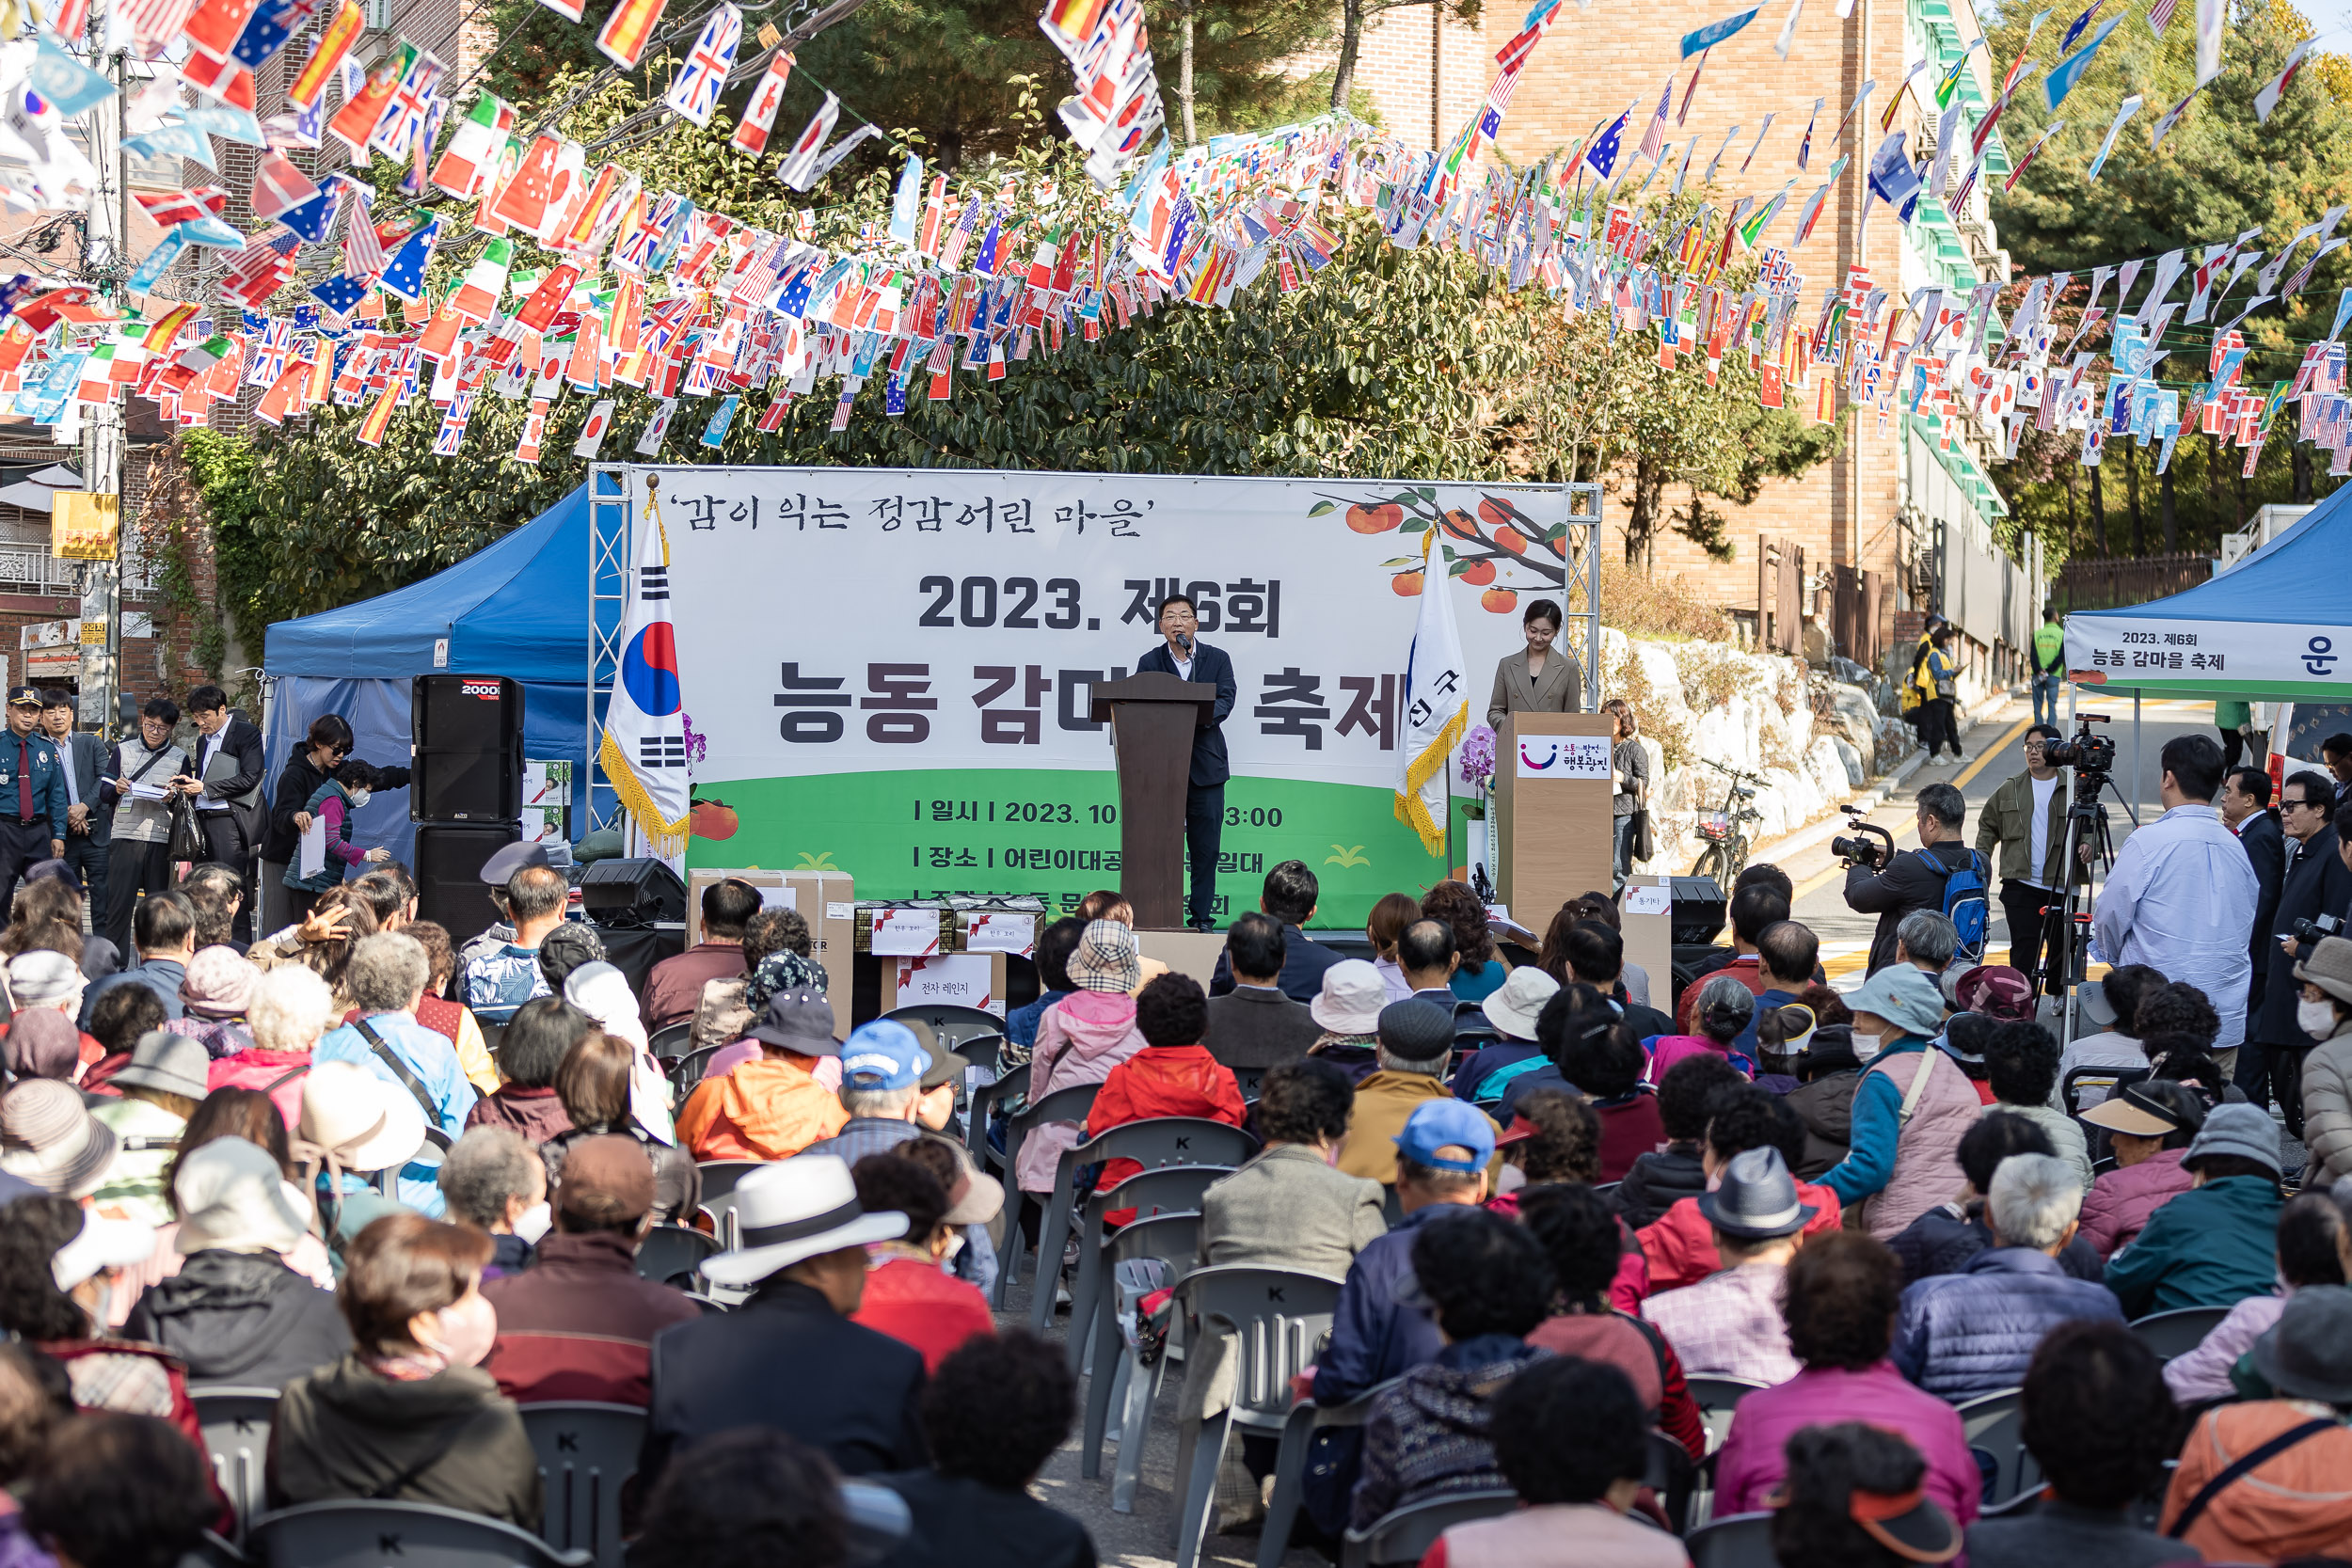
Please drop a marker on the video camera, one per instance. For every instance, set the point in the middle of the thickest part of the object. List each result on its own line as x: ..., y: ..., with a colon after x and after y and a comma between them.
x: 1858, y: 849
x: 2309, y: 932
x: 2085, y: 752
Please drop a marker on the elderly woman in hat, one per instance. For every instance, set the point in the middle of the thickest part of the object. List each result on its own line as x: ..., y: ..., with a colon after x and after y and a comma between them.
x: 161, y: 1089
x: 1080, y: 1041
x: 2149, y: 1126
x: 2324, y: 1013
x: 42, y: 981
x: 354, y: 1125
x: 1910, y: 1109
x: 49, y: 1139
x: 772, y: 1107
x: 1347, y: 1009
x: 215, y: 992
x: 2210, y: 1245
x: 1512, y: 1008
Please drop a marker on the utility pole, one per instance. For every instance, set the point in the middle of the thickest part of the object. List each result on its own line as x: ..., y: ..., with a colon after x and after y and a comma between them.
x: 106, y: 261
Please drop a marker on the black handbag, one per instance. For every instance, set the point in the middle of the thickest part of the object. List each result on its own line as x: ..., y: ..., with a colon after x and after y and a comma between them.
x: 187, y: 835
x: 1644, y: 843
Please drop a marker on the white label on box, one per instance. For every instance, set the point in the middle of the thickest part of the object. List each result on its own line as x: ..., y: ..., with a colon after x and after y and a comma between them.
x: 1648, y: 900
x: 950, y: 979
x: 778, y: 898
x: 1000, y: 933
x: 840, y: 911
x: 905, y: 933
x: 1564, y: 757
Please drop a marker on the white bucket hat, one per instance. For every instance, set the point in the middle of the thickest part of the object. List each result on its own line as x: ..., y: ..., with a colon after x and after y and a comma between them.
x: 233, y: 1197
x: 796, y: 1210
x: 357, y: 1120
x: 1351, y: 999
x: 1513, y: 1007
x: 103, y: 1243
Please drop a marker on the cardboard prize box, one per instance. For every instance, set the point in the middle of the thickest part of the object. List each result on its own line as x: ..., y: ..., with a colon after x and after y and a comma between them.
x: 826, y: 899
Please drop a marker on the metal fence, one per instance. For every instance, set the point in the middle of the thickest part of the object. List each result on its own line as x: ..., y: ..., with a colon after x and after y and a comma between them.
x: 2109, y: 584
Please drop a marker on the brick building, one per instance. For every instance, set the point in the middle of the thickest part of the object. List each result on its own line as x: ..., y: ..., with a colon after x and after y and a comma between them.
x: 1900, y: 517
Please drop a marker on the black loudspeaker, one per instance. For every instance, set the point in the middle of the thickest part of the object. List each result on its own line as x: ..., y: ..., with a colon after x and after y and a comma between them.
x: 449, y: 889
x: 632, y: 894
x: 1698, y: 910
x: 466, y: 733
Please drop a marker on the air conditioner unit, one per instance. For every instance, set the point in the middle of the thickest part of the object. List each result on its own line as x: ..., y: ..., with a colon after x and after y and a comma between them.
x: 379, y: 15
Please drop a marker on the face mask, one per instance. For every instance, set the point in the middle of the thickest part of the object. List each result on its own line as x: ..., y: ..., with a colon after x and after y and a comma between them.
x: 359, y: 797
x: 955, y: 1245
x: 2316, y: 1019
x: 1866, y: 1046
x: 534, y: 1222
x: 468, y: 1326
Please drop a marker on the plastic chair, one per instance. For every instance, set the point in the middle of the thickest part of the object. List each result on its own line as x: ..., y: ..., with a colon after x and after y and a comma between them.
x: 1673, y: 1478
x: 673, y: 1254
x: 1404, y: 1534
x: 1290, y: 1463
x: 719, y: 1180
x: 2028, y: 1502
x: 950, y: 1022
x: 1173, y: 1240
x: 982, y: 1051
x: 2108, y: 1081
x: 1156, y: 1142
x: 587, y: 1452
x: 236, y: 1424
x: 1247, y: 1080
x: 1069, y: 1104
x: 685, y: 1072
x: 1735, y: 1540
x: 357, y: 1534
x: 1995, y: 1424
x: 980, y: 1107
x: 1168, y: 1190
x: 670, y: 1041
x: 2177, y: 1332
x: 1279, y: 1319
x: 1716, y: 1397
x: 1392, y: 1206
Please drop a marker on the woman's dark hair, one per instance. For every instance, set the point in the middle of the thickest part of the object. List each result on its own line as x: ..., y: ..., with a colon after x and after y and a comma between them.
x: 2177, y: 1008
x: 2097, y: 1416
x: 400, y: 1265
x: 123, y: 1014
x: 2183, y: 1101
x: 1572, y: 1027
x: 1828, y: 1006
x: 1305, y: 1101
x: 1992, y: 1138
x: 1971, y: 1034
x: 574, y: 944
x: 752, y: 1497
x: 1566, y: 1429
x: 998, y: 1408
x: 2021, y: 1060
x: 2124, y: 987
x: 1104, y: 903
x: 1745, y: 1117
x: 355, y: 774
x: 1843, y: 1288
x: 1053, y: 946
x: 118, y: 1491
x: 771, y: 931
x: 2175, y: 1057
x: 888, y: 1185
x: 1172, y: 1009
x: 1482, y: 1275
x: 2311, y: 1237
x: 440, y: 958
x: 31, y: 1306
x: 1566, y: 1145
x: 1465, y: 914
x: 36, y: 1397
x: 541, y: 1034
x: 1388, y: 918
x: 45, y: 913
x: 1686, y: 1096
x: 231, y: 1113
x: 330, y: 729
x: 1580, y: 1237
x: 1827, y: 1464
x: 592, y: 1082
x: 1544, y: 609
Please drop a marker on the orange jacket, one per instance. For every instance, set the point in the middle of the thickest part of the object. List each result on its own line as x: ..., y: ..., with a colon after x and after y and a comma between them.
x: 1162, y: 1081
x: 769, y: 1109
x: 2295, y: 1504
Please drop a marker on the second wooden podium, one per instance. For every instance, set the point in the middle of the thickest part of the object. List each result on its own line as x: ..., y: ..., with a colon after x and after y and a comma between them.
x: 1552, y: 792
x: 1152, y: 717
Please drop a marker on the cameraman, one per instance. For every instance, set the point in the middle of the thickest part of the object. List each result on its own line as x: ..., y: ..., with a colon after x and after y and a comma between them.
x: 2316, y: 883
x: 2026, y: 819
x: 1913, y: 879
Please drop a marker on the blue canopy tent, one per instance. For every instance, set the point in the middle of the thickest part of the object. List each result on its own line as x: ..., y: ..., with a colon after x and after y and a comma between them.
x: 518, y: 609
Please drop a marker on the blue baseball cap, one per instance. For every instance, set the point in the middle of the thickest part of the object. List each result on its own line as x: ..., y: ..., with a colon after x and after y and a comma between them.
x: 1435, y: 1124
x: 883, y: 1056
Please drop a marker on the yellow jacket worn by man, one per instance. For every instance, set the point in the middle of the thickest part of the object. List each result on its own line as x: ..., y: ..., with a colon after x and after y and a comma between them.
x: 1415, y: 1042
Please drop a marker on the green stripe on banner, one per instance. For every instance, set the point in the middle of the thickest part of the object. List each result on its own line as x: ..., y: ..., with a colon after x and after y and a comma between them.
x: 2245, y: 688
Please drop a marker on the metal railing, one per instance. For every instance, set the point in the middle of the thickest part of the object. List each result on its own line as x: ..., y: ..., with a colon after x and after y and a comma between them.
x: 2108, y: 583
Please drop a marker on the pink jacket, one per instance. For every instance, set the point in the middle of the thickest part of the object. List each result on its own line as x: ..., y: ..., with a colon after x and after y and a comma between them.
x: 2120, y: 1202
x: 1079, y: 1040
x: 1753, y: 1460
x: 1670, y: 1049
x: 266, y: 1070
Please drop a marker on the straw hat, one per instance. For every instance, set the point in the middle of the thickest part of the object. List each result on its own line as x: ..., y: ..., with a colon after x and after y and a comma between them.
x: 357, y: 1120
x: 49, y: 1139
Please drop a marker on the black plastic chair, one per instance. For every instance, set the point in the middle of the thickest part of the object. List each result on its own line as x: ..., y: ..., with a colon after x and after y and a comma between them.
x: 2108, y: 1081
x: 1716, y: 1397
x: 1405, y: 1535
x: 671, y: 1040
x: 1247, y: 1079
x: 355, y: 1534
x: 980, y: 1109
x: 1735, y: 1540
x: 949, y: 1023
x: 673, y: 1254
x: 1290, y: 1463
x: 1174, y: 1239
x: 685, y: 1072
x: 587, y: 1453
x: 1995, y: 1424
x: 1278, y: 1319
x: 235, y: 1425
x: 2028, y: 1502
x: 1164, y: 1190
x: 1067, y: 1104
x: 2180, y: 1331
x: 1154, y: 1142
x: 1674, y: 1477
x: 719, y: 1180
x: 982, y: 1051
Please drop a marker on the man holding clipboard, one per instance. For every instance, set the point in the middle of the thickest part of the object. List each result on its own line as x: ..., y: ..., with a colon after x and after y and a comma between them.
x: 138, y: 786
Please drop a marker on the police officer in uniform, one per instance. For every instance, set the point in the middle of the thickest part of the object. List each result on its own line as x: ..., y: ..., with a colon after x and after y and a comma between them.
x: 32, y: 795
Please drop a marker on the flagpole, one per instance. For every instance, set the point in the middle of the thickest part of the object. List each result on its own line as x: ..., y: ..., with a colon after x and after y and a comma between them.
x: 103, y: 436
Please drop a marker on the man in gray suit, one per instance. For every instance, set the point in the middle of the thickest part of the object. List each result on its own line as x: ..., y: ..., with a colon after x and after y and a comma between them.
x: 89, y: 821
x: 1254, y: 1024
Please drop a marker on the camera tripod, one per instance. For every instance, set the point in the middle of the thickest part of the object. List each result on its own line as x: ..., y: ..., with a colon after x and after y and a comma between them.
x: 2087, y: 854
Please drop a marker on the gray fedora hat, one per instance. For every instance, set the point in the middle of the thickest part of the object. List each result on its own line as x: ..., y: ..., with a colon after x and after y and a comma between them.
x: 1756, y: 1199
x: 173, y: 1063
x: 2308, y: 1352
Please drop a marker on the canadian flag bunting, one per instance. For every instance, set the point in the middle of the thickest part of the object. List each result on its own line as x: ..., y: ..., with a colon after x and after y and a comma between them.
x: 759, y: 114
x: 279, y: 188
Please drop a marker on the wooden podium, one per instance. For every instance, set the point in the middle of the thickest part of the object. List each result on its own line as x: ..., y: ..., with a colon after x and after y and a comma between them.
x: 1552, y: 795
x: 1153, y: 719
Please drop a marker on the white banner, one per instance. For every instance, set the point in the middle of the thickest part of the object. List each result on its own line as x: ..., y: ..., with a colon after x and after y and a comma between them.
x: 2151, y: 652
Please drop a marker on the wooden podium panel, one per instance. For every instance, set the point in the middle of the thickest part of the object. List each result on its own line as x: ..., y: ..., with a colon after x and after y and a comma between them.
x: 1153, y: 719
x: 1552, y: 796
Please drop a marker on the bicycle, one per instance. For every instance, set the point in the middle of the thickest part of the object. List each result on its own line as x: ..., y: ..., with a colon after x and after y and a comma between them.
x: 1726, y: 852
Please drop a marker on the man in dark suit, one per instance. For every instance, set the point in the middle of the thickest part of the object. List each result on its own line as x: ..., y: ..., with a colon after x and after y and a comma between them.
x: 2316, y: 883
x: 89, y: 822
x: 1254, y: 1025
x: 1289, y: 897
x: 2246, y: 809
x: 224, y: 776
x: 1184, y: 655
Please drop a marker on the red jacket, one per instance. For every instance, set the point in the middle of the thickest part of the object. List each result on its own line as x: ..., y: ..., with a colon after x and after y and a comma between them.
x: 1680, y: 1246
x: 922, y: 1304
x: 578, y: 1323
x: 537, y: 1114
x: 1162, y: 1081
x: 1628, y: 1130
x: 675, y: 988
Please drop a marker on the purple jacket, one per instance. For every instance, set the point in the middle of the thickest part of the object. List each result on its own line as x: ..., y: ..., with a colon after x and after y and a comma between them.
x: 1753, y: 1460
x: 2120, y: 1202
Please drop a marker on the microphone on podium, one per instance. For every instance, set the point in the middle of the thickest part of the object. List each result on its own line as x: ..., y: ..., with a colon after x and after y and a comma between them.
x: 1183, y: 640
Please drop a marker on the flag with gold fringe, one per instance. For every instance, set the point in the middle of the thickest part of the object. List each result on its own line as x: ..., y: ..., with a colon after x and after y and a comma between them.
x: 1437, y: 708
x: 644, y: 727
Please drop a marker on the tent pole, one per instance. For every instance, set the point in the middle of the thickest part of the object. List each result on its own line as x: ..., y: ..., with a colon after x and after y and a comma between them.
x: 2136, y: 757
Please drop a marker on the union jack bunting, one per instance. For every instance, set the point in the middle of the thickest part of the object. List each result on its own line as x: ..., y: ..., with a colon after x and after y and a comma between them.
x: 410, y: 108
x: 704, y: 77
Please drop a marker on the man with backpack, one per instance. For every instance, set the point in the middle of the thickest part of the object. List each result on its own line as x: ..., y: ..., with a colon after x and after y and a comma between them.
x: 2183, y: 894
x: 1942, y: 875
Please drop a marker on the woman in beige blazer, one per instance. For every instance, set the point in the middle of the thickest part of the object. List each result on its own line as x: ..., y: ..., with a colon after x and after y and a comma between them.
x: 1541, y: 678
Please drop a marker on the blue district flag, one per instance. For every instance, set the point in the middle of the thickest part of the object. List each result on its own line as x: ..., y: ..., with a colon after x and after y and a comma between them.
x: 2063, y: 75
x: 1715, y: 32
